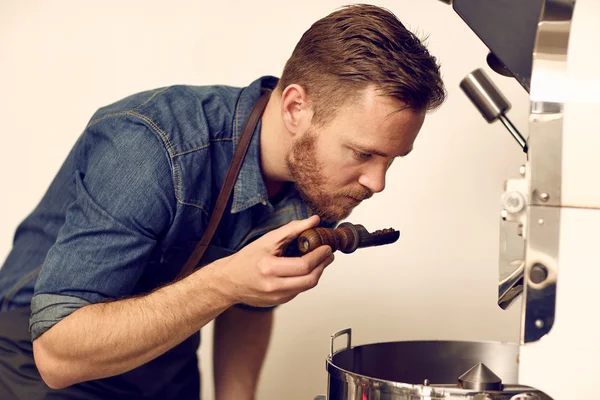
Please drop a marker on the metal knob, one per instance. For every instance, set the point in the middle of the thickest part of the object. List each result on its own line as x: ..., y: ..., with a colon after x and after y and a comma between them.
x: 490, y: 102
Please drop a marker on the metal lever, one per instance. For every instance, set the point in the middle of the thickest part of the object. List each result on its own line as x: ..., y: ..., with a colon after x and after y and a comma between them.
x: 490, y: 102
x: 346, y: 238
x: 510, y: 288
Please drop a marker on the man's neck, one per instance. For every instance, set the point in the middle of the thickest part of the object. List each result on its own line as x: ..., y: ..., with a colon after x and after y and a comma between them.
x: 274, y: 188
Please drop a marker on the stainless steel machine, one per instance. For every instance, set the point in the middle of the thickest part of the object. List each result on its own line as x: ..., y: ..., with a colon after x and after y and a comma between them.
x: 549, y: 225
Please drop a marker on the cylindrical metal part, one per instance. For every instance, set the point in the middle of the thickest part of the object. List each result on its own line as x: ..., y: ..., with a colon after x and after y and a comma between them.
x: 490, y: 102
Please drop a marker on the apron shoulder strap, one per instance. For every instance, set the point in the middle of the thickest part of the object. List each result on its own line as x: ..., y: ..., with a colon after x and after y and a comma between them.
x: 225, y: 193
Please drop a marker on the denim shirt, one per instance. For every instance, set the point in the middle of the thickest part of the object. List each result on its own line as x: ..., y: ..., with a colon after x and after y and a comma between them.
x: 133, y: 198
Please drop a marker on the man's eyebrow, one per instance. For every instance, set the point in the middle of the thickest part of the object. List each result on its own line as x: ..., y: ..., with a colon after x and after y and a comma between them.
x: 369, y: 150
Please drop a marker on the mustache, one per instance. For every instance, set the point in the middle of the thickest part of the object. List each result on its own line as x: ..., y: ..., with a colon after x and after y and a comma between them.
x: 359, y: 194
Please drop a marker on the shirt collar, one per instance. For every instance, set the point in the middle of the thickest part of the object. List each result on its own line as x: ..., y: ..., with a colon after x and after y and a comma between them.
x: 250, y: 188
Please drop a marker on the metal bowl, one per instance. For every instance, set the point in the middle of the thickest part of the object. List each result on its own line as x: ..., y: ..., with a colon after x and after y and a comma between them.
x: 414, y: 370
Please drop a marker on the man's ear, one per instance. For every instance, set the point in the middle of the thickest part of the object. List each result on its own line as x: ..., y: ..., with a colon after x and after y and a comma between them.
x: 296, y: 112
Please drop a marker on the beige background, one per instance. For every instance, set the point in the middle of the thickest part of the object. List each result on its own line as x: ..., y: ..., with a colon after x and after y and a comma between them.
x: 61, y: 60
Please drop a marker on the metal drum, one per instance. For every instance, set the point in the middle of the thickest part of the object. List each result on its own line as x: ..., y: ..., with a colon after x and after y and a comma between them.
x: 431, y: 370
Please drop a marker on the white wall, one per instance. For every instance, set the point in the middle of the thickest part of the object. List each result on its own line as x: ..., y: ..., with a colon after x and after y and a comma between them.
x: 61, y: 60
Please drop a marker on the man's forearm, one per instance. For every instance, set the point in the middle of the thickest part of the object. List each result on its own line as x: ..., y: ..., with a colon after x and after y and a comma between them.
x: 241, y: 339
x: 108, y: 339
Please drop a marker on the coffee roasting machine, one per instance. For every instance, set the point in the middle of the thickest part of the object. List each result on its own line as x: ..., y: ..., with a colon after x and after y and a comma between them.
x: 549, y: 225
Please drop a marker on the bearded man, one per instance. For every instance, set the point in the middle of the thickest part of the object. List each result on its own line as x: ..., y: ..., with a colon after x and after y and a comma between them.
x: 93, y: 302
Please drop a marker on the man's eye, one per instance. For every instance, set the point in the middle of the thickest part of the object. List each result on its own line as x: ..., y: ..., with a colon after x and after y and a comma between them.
x: 361, y: 156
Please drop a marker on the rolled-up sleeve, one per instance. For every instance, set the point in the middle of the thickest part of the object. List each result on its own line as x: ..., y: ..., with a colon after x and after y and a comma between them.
x: 124, y: 200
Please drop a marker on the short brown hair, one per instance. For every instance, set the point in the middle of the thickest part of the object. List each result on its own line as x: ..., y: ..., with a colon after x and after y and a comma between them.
x: 358, y: 46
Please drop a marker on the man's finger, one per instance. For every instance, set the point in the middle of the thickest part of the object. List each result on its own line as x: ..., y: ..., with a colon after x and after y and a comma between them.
x: 298, y: 266
x: 281, y: 236
x: 306, y: 282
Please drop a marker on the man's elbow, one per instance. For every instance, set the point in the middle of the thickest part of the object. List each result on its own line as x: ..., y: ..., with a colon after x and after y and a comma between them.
x: 52, y: 372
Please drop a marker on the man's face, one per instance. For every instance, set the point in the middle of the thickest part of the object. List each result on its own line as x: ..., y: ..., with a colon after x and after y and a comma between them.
x: 339, y: 164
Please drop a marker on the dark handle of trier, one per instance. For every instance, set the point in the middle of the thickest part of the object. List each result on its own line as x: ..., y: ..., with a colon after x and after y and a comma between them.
x: 347, y: 238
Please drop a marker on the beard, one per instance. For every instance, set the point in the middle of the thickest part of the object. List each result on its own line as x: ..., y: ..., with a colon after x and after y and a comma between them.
x: 312, y: 183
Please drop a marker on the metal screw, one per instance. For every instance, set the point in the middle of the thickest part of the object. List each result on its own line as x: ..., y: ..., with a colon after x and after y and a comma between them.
x: 541, y: 221
x: 538, y: 273
x: 539, y: 323
x: 544, y: 197
x: 522, y: 170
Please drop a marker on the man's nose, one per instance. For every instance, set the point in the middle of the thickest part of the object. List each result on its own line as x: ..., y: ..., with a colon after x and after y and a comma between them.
x: 374, y: 178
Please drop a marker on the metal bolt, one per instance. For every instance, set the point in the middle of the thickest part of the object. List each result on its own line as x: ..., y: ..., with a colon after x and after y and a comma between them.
x: 426, y: 382
x: 538, y: 273
x: 522, y: 170
x: 541, y: 221
x: 539, y: 323
x: 544, y: 197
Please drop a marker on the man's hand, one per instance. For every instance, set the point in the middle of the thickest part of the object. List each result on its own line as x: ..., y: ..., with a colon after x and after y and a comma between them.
x: 258, y: 276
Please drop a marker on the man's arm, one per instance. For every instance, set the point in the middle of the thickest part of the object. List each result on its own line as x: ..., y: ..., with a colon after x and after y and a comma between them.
x: 107, y: 339
x: 241, y: 339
